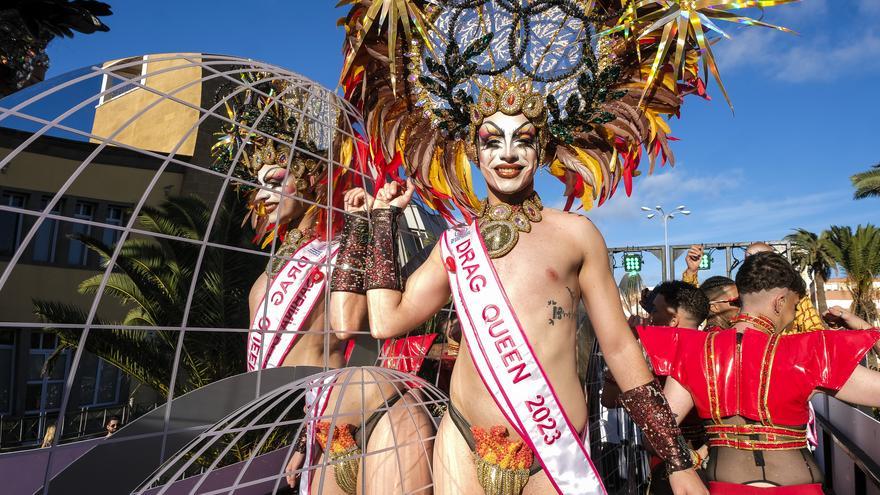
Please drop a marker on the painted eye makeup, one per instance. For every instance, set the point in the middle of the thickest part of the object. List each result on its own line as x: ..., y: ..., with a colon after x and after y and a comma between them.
x: 274, y: 176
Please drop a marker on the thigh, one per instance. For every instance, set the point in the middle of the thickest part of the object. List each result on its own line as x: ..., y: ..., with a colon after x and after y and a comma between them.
x: 539, y: 484
x: 400, y: 449
x: 454, y: 471
x: 323, y: 478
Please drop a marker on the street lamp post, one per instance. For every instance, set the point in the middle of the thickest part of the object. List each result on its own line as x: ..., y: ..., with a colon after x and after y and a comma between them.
x: 658, y: 212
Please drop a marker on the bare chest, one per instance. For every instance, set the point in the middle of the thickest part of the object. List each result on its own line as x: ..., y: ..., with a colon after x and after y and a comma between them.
x: 540, y: 283
x: 540, y: 278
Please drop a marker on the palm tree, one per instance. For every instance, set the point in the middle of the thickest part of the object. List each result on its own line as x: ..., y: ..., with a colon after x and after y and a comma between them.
x: 811, y: 252
x: 858, y: 253
x: 152, y: 278
x: 27, y: 26
x: 867, y: 183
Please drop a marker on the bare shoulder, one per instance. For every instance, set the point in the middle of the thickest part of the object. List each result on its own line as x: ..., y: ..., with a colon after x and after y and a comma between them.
x: 581, y: 229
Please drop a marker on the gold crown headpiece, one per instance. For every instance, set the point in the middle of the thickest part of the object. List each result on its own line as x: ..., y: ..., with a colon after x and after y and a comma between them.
x: 262, y: 132
x: 509, y: 96
x: 301, y: 167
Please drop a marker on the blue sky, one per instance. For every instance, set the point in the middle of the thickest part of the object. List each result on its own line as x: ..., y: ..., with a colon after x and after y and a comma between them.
x: 805, y: 120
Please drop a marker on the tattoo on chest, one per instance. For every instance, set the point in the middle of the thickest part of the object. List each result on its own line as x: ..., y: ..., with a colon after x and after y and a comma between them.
x: 558, y: 312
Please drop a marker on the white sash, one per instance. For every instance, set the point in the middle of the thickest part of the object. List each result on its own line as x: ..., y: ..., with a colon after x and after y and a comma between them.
x: 291, y: 297
x: 316, y: 404
x: 509, y: 368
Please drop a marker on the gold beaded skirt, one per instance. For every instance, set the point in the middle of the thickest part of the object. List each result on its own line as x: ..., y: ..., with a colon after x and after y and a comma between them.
x: 497, y: 480
x: 345, y: 469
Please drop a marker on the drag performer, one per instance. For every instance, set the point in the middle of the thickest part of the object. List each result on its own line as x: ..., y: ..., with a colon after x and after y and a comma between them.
x: 751, y: 384
x: 289, y: 212
x: 508, y: 86
x: 287, y: 304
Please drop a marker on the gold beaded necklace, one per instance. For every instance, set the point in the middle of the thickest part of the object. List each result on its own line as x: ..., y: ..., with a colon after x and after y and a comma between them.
x: 501, y: 224
x: 760, y: 322
x: 294, y: 239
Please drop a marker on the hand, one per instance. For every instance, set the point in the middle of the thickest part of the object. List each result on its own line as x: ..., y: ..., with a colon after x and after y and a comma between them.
x: 636, y: 321
x: 295, y: 462
x: 694, y: 255
x: 357, y: 200
x: 837, y: 317
x: 392, y: 194
x: 703, y: 452
x: 645, y: 300
x: 686, y: 482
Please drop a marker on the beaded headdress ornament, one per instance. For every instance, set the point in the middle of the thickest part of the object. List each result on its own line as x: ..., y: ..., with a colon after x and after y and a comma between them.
x: 266, y: 127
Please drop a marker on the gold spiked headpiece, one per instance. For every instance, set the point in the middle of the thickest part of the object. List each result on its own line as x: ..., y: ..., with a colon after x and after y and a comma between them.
x: 511, y: 97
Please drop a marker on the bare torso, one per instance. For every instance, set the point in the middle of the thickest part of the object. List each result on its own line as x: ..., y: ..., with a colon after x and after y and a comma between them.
x: 318, y: 346
x: 543, y: 288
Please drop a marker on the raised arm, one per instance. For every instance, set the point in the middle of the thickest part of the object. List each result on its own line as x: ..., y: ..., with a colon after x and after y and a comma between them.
x: 641, y: 396
x: 348, y: 300
x: 393, y: 312
x: 680, y: 400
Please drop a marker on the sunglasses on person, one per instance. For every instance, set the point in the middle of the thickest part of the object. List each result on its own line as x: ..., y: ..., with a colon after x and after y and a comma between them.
x: 733, y: 301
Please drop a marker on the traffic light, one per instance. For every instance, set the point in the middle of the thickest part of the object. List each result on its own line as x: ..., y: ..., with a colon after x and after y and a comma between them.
x: 632, y: 262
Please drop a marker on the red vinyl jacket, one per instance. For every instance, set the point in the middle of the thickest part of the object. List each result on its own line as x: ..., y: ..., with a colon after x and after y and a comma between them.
x: 764, y: 377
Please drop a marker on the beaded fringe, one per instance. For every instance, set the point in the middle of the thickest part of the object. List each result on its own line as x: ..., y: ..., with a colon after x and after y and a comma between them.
x: 497, y: 480
x: 346, y: 469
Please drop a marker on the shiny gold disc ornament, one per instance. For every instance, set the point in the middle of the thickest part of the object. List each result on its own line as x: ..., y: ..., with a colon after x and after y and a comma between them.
x: 501, y: 224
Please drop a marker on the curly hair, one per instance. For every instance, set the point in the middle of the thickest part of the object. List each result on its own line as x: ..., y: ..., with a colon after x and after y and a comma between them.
x: 713, y: 287
x: 766, y: 271
x: 682, y: 295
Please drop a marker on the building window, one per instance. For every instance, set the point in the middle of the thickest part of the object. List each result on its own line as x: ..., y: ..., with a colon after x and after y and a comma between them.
x: 123, y: 74
x: 78, y: 253
x: 43, y: 393
x: 46, y: 240
x: 115, y: 216
x: 99, y: 382
x: 11, y: 223
x: 7, y: 362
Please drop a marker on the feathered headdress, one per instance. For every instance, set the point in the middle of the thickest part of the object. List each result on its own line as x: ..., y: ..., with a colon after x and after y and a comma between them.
x: 597, y: 77
x: 272, y: 124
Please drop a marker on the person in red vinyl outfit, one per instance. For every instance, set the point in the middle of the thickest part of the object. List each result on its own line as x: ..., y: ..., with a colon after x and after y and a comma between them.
x: 751, y: 384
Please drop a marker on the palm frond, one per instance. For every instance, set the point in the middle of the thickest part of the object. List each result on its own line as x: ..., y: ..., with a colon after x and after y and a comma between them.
x: 134, y: 352
x: 152, y: 278
x: 859, y: 254
x: 867, y: 184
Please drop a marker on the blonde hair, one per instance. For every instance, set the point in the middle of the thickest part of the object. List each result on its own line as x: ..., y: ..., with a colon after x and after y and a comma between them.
x: 48, y: 437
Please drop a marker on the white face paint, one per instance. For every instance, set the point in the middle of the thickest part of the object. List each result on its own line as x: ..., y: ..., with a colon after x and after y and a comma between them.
x: 282, y: 207
x: 507, y: 149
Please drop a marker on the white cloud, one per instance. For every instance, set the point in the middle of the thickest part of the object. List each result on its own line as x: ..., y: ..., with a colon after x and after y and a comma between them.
x: 665, y: 187
x: 842, y: 46
x: 753, y: 219
x: 828, y: 61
